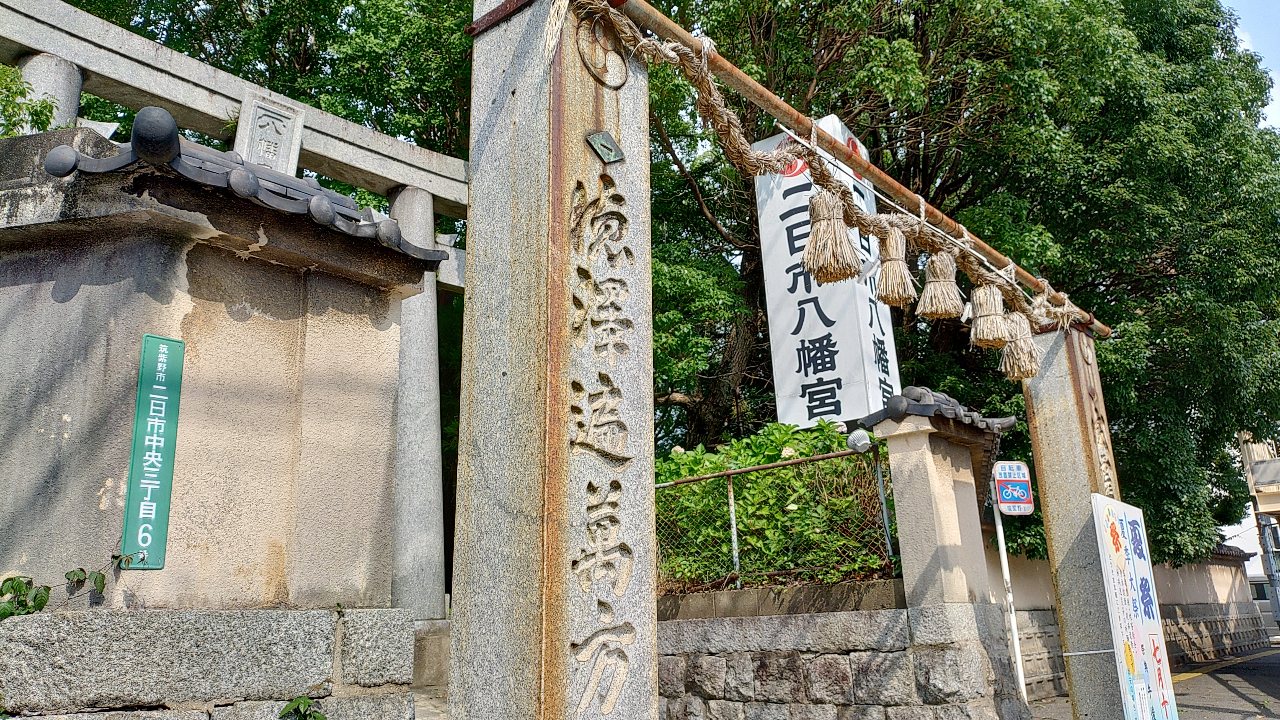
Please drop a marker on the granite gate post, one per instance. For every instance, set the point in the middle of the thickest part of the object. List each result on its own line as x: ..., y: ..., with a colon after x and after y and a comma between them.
x: 554, y: 612
x: 1071, y: 444
x: 418, y: 580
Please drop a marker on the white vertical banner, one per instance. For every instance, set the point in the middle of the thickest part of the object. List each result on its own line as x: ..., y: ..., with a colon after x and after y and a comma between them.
x: 833, y: 352
x: 1136, y: 631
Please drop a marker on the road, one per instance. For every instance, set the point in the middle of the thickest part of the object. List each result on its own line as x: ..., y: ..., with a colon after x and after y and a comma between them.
x: 1246, y: 688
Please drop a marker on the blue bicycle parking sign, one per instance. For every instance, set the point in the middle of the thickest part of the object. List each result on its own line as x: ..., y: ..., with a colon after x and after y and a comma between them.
x: 1013, y: 488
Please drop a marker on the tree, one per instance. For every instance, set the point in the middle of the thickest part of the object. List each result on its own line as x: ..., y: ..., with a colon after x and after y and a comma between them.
x: 401, y: 67
x: 18, y: 109
x: 1110, y: 145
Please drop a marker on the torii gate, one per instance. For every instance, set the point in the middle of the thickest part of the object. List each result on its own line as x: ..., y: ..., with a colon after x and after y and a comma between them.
x: 554, y: 607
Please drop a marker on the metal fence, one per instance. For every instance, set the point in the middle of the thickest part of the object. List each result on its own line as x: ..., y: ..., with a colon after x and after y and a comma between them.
x: 821, y: 519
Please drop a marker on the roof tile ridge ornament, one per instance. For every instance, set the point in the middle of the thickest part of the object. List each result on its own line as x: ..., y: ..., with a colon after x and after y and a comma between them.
x: 923, y: 402
x: 155, y: 141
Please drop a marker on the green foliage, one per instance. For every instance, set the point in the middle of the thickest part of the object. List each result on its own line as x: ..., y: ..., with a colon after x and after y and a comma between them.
x: 18, y: 108
x: 401, y: 67
x: 1112, y: 146
x: 816, y: 521
x: 19, y: 595
x: 301, y: 708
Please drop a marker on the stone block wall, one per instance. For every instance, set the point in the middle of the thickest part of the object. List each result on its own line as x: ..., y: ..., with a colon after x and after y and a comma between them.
x: 1193, y: 634
x: 1042, y: 661
x: 862, y: 665
x: 207, y: 665
x: 1203, y: 632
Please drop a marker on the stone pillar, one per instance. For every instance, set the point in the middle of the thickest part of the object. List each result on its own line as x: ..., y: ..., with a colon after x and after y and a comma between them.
x: 57, y: 79
x: 554, y: 609
x: 938, y: 453
x: 942, y: 555
x: 1071, y: 442
x: 418, y: 579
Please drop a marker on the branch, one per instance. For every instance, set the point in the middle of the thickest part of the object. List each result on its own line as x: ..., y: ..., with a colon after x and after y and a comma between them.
x: 665, y: 140
x: 677, y: 398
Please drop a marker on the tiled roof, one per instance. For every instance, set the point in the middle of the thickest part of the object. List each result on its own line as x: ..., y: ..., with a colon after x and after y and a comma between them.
x: 155, y: 141
x: 928, y: 403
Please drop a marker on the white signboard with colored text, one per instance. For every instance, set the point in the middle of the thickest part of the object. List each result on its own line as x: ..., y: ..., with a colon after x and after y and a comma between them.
x: 1136, y: 632
x: 833, y: 352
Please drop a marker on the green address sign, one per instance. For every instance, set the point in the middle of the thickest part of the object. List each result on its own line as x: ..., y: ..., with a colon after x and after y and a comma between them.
x: 155, y: 434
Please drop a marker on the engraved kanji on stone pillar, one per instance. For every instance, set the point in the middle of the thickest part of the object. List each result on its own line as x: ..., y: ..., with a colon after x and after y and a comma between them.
x: 554, y: 578
x: 270, y: 133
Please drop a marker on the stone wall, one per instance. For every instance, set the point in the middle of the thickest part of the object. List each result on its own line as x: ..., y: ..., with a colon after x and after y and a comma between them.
x: 1042, y: 661
x: 207, y: 665
x: 1202, y: 632
x: 863, y: 665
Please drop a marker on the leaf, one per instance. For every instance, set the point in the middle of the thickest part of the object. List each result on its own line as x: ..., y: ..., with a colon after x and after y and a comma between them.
x: 41, y: 598
x: 289, y: 708
x: 7, y: 610
x: 16, y: 586
x: 99, y: 581
x: 76, y: 576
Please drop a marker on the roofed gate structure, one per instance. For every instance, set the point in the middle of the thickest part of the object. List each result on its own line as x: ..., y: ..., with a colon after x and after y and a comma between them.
x: 297, y: 333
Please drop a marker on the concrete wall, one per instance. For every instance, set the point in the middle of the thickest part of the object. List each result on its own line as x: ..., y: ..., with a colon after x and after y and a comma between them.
x: 284, y: 466
x: 1032, y: 585
x: 1206, y: 608
x: 1210, y: 582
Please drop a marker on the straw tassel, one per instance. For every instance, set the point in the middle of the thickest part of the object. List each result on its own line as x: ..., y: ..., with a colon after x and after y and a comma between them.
x: 940, y: 297
x: 1020, y: 359
x: 829, y: 255
x: 989, y: 327
x: 895, y: 286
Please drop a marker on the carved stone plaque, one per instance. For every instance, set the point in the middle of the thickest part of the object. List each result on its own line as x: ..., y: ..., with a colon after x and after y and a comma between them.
x: 269, y: 134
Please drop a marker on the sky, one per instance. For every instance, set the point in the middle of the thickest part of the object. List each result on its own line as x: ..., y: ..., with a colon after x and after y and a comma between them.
x: 1259, y: 31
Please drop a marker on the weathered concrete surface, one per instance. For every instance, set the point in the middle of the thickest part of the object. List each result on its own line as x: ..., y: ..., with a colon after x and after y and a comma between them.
x: 385, y: 706
x: 56, y: 79
x: 66, y: 662
x: 133, y: 715
x: 377, y: 647
x: 793, y: 600
x: 935, y: 503
x: 956, y: 632
x: 1071, y: 444
x: 554, y: 574
x: 431, y: 657
x: 417, y: 534
x: 884, y: 630
x: 292, y: 351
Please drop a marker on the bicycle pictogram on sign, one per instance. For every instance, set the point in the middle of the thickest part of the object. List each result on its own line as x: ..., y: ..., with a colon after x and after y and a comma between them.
x: 1013, y: 488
